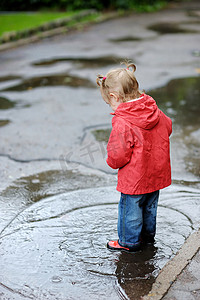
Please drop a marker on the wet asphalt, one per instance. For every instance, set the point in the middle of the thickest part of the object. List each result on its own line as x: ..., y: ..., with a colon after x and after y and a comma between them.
x: 53, y: 131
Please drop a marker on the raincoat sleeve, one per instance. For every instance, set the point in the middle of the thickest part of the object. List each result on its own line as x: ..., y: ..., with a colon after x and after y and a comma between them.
x: 120, y: 145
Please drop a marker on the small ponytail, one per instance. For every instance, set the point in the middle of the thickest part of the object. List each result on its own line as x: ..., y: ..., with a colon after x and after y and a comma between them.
x: 100, y: 80
x: 133, y: 66
x: 129, y: 66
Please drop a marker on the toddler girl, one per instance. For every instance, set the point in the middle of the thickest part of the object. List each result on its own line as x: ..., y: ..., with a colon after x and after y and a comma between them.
x: 138, y: 147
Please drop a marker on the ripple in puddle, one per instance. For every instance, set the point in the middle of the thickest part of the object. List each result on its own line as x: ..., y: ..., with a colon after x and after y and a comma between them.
x: 57, y: 247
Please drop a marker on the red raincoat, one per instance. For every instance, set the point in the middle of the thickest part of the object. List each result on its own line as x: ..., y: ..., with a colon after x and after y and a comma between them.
x: 139, y: 147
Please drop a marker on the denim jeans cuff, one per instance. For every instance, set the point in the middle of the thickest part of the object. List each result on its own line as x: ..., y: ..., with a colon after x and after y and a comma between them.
x: 135, y: 246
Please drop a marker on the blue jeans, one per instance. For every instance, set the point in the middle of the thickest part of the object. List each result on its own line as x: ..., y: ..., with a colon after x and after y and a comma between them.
x: 137, y: 218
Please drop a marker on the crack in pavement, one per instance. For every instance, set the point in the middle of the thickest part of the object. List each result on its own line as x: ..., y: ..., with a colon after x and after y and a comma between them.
x: 60, y: 159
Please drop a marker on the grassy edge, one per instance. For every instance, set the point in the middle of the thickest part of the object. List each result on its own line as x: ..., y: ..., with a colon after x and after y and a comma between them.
x: 26, y: 20
x: 82, y: 17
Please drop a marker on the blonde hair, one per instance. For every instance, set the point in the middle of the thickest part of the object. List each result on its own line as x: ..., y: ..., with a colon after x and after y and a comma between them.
x: 121, y: 81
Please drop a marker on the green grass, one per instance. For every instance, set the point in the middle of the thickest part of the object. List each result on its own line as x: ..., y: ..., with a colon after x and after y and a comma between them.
x: 158, y: 5
x: 19, y: 21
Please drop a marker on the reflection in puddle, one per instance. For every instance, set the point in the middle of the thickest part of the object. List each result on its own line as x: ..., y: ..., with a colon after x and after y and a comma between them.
x: 83, y: 62
x: 54, y: 80
x: 165, y: 28
x: 135, y: 273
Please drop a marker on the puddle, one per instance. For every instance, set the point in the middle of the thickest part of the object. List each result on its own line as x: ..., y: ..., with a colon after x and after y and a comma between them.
x: 6, y: 103
x: 83, y: 62
x: 56, y: 80
x: 126, y: 39
x: 170, y: 28
x: 102, y: 135
x: 4, y: 122
x: 180, y: 100
x: 196, y: 53
x: 74, y: 260
x: 33, y: 188
x: 9, y: 78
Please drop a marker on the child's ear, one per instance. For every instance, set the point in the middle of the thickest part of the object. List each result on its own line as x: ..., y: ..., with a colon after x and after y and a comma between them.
x: 114, y: 96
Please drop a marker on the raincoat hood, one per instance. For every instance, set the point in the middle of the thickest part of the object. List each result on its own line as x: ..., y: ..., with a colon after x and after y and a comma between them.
x: 143, y: 112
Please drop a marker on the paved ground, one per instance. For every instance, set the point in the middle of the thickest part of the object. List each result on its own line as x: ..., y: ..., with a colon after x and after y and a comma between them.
x: 49, y: 127
x: 187, y: 285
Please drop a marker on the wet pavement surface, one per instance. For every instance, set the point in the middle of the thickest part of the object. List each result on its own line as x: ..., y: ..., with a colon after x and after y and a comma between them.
x: 187, y: 286
x: 58, y: 199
